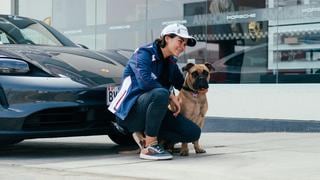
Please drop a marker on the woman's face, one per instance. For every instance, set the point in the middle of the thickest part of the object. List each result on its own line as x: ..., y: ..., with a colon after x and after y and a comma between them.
x: 176, y: 45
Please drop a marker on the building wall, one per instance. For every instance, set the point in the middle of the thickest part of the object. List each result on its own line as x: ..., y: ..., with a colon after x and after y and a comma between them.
x: 5, y: 6
x: 265, y: 101
x: 37, y: 9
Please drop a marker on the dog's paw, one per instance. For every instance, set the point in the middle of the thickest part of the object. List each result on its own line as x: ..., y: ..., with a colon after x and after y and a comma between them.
x: 169, y: 147
x: 175, y: 150
x: 184, y: 152
x: 200, y: 150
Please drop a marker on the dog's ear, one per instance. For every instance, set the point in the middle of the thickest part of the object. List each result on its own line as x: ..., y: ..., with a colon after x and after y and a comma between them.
x: 187, y: 67
x: 209, y: 66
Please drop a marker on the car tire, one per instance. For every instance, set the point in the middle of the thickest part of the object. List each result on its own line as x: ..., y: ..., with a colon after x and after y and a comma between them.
x: 120, y: 136
x: 123, y: 140
x: 9, y: 141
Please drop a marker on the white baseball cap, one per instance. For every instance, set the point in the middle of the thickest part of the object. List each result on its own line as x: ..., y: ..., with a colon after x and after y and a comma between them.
x: 179, y: 30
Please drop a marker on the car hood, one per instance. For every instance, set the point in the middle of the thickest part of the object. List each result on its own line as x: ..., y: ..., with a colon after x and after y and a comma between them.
x: 82, y: 65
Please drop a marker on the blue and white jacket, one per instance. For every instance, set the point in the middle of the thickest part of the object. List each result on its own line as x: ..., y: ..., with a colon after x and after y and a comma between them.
x: 144, y: 68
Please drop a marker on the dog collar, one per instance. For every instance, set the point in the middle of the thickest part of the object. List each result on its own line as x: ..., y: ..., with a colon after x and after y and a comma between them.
x: 194, y: 93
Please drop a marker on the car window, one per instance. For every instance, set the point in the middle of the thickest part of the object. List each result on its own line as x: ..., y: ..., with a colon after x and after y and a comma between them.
x: 39, y: 35
x: 235, y: 61
x: 245, y: 66
x: 251, y: 58
x: 4, y: 39
x: 24, y: 31
x: 257, y: 57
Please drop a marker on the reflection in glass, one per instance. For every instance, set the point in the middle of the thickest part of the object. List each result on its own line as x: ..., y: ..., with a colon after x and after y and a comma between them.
x: 247, y: 41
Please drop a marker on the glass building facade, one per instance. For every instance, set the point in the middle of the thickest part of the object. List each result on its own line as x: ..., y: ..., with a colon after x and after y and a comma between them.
x: 246, y: 41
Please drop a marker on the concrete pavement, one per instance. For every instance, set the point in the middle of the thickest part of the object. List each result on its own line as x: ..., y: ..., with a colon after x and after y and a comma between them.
x: 230, y: 156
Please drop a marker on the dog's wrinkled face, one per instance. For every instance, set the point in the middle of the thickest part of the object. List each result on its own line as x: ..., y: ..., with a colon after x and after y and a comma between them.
x: 198, y: 76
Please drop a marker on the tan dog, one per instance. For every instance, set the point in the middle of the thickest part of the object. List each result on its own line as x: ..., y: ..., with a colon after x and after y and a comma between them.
x: 193, y: 99
x: 193, y: 102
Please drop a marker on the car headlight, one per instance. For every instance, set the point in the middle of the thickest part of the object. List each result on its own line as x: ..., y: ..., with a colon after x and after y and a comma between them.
x: 13, y: 66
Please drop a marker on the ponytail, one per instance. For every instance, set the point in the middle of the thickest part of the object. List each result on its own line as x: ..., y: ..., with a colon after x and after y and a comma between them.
x: 162, y: 42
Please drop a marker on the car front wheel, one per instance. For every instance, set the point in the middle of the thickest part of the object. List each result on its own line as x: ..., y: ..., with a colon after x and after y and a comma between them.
x: 120, y: 136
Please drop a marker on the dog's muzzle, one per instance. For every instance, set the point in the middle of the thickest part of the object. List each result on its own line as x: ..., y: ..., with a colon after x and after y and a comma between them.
x: 201, y: 83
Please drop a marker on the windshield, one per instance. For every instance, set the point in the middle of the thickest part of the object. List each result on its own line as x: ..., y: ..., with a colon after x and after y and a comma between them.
x: 17, y: 30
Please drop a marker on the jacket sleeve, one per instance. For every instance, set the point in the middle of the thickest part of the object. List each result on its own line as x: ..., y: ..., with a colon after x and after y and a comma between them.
x: 178, y: 78
x: 140, y: 64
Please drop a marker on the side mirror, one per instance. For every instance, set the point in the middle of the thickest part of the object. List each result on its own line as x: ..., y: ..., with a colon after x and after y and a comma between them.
x: 13, y: 66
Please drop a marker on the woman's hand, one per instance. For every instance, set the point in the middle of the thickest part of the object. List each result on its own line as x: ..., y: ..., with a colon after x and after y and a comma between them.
x: 174, y: 103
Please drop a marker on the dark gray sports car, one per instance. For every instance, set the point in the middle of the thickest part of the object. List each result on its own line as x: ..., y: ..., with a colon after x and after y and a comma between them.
x: 51, y: 87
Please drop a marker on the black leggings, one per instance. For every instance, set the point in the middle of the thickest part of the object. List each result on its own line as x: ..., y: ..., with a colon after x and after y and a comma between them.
x: 150, y: 115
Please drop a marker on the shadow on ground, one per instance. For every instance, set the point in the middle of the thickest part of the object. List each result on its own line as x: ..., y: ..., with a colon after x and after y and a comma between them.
x: 35, y: 149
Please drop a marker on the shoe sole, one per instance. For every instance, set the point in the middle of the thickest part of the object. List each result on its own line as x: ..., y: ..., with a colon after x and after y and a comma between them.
x: 143, y: 156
